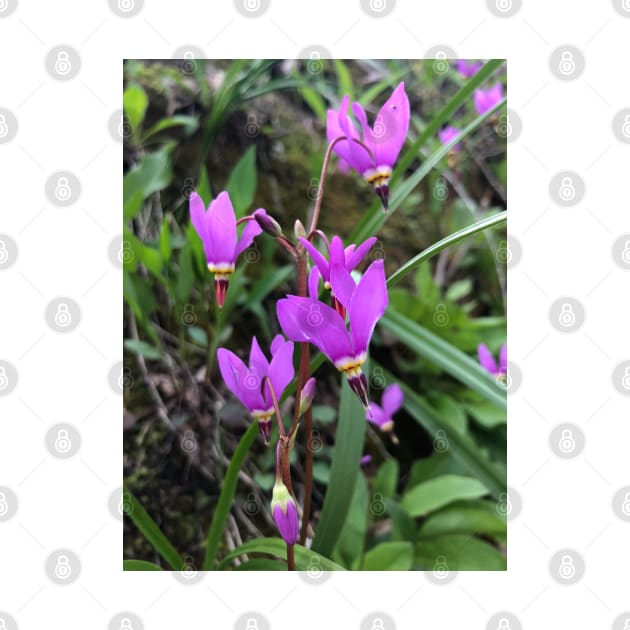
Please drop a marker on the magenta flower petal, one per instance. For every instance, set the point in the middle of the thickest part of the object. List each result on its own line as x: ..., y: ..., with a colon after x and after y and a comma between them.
x: 376, y: 415
x: 221, y: 231
x: 198, y: 215
x: 305, y: 319
x: 281, y: 370
x: 486, y: 359
x: 354, y: 154
x: 485, y: 100
x: 257, y: 357
x: 368, y: 305
x: 447, y: 134
x: 240, y: 380
x: 355, y: 256
x: 276, y: 343
x: 287, y: 522
x: 468, y: 68
x: 342, y: 284
x: 318, y: 258
x: 251, y: 230
x: 334, y: 130
x: 313, y: 283
x: 392, y: 399
x: 503, y: 362
x: 337, y: 253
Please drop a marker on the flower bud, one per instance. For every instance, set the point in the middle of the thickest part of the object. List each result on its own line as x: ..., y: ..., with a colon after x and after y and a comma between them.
x: 284, y: 513
x: 267, y: 223
x: 299, y: 230
x: 306, y: 396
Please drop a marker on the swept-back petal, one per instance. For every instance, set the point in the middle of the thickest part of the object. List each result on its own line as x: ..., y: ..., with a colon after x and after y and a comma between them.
x: 318, y: 258
x: 357, y: 255
x: 240, y: 380
x: 368, y: 305
x: 221, y: 226
x: 503, y: 362
x: 486, y: 359
x: 313, y: 283
x: 276, y: 342
x: 305, y: 319
x: 281, y: 370
x: 392, y: 399
x: 251, y: 230
x: 337, y: 254
x: 198, y: 215
x: 356, y: 155
x: 376, y: 415
x: 257, y: 356
x: 342, y: 284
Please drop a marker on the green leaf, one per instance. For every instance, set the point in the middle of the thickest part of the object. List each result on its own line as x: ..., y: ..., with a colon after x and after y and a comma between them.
x: 456, y: 552
x: 436, y: 493
x: 445, y: 243
x: 137, y: 346
x: 198, y: 335
x: 386, y: 479
x: 140, y: 565
x: 224, y: 505
x: 344, y: 470
x: 135, y: 102
x: 315, y: 102
x: 444, y: 354
x: 189, y: 123
x: 462, y: 519
x: 261, y: 564
x: 186, y: 275
x: 241, y: 185
x: 151, y: 174
x: 389, y: 556
x: 403, y: 527
x: 305, y: 559
x: 487, y: 415
x: 165, y: 242
x: 149, y: 529
x: 349, y: 547
x: 344, y: 79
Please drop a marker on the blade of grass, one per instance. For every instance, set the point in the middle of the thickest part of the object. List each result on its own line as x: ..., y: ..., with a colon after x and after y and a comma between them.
x: 442, y: 353
x: 226, y: 498
x: 150, y: 530
x: 140, y: 565
x: 445, y: 243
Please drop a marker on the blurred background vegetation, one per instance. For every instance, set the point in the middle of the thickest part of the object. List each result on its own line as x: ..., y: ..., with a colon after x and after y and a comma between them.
x: 257, y: 129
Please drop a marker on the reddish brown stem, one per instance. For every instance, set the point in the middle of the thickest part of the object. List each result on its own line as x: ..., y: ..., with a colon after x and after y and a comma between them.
x: 290, y: 558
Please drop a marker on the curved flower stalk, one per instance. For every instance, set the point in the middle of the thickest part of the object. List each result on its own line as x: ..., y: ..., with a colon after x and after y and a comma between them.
x: 385, y: 139
x: 488, y: 362
x: 348, y: 257
x: 306, y: 319
x: 246, y: 382
x: 485, y: 100
x: 217, y: 229
x: 383, y: 415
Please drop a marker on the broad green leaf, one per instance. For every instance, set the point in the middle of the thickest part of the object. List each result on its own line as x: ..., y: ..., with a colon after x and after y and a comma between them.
x: 349, y: 547
x: 386, y: 479
x: 140, y: 565
x: 198, y: 335
x: 241, y: 185
x: 224, y: 504
x: 448, y: 241
x: 462, y: 519
x: 137, y: 346
x: 343, y: 473
x: 149, y: 529
x: 444, y: 354
x: 457, y: 552
x: 315, y: 102
x: 305, y: 559
x: 261, y: 564
x: 344, y: 79
x: 389, y: 556
x: 487, y: 415
x: 135, y: 102
x: 151, y: 174
x: 189, y: 123
x: 403, y: 527
x: 440, y: 491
